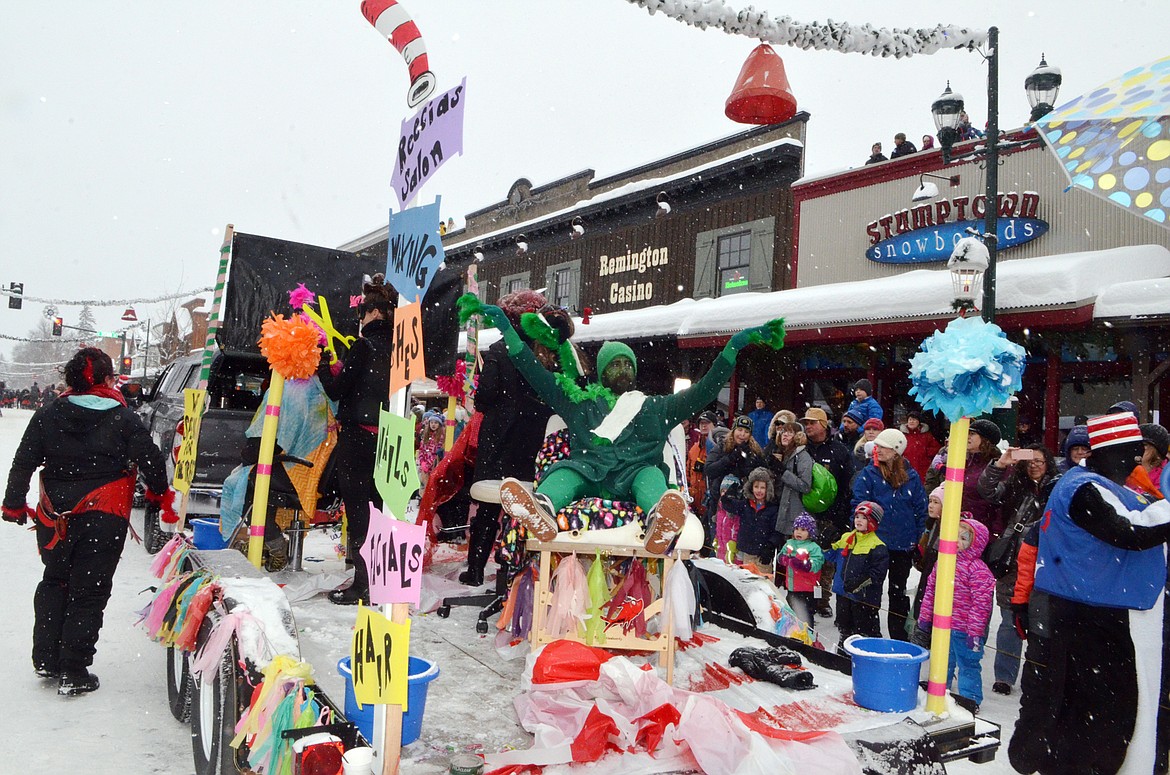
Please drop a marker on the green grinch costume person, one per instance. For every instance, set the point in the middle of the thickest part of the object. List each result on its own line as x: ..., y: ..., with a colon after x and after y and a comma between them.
x: 616, y: 433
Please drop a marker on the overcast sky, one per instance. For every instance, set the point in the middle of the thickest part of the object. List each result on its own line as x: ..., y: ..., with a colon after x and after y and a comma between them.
x: 132, y: 132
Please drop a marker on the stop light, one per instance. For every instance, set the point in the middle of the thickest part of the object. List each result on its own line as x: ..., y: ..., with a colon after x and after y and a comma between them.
x: 58, y: 324
x: 127, y: 364
x: 15, y: 300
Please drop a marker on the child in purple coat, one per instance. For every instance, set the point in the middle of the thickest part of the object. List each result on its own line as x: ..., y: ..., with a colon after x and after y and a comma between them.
x: 974, y: 596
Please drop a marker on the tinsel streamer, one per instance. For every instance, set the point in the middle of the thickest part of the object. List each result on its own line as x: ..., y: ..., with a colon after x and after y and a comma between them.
x: 831, y: 36
x: 103, y: 302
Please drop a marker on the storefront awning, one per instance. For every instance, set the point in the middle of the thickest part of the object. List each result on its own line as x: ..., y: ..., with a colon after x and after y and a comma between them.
x: 1126, y: 282
x: 1052, y: 282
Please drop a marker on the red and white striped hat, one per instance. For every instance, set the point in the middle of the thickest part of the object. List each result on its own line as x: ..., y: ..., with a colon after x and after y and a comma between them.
x: 1108, y: 429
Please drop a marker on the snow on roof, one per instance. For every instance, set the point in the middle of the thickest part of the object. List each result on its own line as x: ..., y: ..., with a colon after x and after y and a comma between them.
x: 1051, y: 281
x: 1133, y: 299
x: 643, y: 184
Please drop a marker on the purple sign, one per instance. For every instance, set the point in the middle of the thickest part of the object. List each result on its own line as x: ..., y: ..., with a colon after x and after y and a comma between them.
x: 432, y: 136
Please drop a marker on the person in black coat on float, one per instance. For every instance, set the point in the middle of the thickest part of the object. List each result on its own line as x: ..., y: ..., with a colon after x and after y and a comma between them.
x: 512, y: 430
x: 360, y: 387
x: 89, y: 443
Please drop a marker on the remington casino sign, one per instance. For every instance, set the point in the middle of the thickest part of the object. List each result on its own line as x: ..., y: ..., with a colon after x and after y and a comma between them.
x: 928, y: 232
x: 628, y: 270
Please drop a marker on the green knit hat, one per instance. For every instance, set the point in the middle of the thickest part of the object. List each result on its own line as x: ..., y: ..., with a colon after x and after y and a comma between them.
x: 611, y: 350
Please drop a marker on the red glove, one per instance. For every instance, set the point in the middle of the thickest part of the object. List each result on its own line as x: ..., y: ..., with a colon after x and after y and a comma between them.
x: 166, y: 505
x: 18, y: 515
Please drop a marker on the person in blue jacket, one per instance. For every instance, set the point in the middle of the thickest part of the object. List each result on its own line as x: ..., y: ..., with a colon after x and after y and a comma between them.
x: 1102, y: 563
x: 894, y: 485
x: 761, y: 422
x: 863, y: 404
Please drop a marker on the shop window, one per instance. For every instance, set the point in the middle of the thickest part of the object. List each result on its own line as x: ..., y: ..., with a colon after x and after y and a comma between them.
x: 734, y: 259
x: 563, y: 285
x: 515, y: 282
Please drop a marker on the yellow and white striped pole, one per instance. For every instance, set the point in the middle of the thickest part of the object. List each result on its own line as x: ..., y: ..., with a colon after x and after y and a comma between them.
x: 944, y: 582
x: 264, y: 469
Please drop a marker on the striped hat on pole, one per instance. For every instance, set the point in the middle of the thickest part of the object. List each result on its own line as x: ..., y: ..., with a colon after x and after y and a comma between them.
x: 1109, y: 429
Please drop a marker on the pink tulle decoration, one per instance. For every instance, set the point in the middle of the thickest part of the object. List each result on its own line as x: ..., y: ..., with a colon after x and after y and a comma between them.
x: 217, y: 641
x: 160, y: 606
x: 164, y: 556
x: 453, y: 385
x: 570, y: 597
x: 300, y: 296
x: 354, y: 301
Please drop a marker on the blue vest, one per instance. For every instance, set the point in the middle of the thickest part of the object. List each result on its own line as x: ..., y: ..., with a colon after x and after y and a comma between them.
x: 1074, y: 565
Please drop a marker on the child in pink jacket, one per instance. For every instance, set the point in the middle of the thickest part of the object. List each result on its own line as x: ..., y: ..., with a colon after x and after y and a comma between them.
x: 974, y: 596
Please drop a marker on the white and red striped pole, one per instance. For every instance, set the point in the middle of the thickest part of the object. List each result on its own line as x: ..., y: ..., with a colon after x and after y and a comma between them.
x: 391, y: 19
x: 944, y: 581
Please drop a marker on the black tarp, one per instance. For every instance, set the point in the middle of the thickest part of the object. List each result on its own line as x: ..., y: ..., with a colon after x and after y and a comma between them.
x: 263, y: 271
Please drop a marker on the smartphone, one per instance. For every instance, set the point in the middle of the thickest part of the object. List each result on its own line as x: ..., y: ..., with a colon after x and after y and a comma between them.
x: 1022, y: 454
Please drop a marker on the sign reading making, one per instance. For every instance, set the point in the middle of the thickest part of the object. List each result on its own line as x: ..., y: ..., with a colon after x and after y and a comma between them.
x: 926, y: 233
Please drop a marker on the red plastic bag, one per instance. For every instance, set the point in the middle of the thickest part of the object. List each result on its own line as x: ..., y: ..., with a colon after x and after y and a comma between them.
x: 592, y: 742
x: 567, y: 660
x: 652, y: 726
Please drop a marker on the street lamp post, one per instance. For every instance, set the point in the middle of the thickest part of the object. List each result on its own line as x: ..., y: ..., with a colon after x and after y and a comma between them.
x: 1041, y: 87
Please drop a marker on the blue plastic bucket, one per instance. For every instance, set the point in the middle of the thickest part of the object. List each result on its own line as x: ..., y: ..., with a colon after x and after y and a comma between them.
x: 885, y: 673
x: 207, y: 534
x: 422, y: 672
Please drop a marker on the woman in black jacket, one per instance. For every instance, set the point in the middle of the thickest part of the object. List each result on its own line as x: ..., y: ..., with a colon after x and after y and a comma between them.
x: 1020, y: 489
x: 739, y: 455
x: 360, y: 387
x: 89, y: 443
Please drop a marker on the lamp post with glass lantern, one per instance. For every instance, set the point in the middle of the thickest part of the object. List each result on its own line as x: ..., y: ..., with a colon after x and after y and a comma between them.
x: 1041, y: 87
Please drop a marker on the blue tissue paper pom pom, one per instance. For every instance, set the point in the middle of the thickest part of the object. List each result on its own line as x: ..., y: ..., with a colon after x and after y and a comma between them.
x: 967, y: 369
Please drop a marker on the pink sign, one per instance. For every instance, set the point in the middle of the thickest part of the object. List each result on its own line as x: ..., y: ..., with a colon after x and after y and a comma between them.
x: 393, y: 552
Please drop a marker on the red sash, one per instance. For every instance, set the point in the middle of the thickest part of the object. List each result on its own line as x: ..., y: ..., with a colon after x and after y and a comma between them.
x: 114, y: 497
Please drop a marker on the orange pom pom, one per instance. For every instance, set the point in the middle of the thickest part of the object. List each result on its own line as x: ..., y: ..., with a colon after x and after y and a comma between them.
x: 290, y: 346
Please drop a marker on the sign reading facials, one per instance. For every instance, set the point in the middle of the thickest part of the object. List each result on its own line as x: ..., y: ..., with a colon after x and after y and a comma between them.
x: 928, y: 232
x: 632, y: 262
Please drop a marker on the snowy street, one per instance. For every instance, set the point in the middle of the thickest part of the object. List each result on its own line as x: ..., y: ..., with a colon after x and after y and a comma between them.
x: 126, y: 727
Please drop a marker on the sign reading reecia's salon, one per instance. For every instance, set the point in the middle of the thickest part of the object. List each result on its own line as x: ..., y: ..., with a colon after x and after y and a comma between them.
x: 632, y: 288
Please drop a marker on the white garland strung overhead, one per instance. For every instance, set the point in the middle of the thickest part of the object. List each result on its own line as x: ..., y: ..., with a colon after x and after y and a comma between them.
x: 103, y: 302
x: 830, y: 36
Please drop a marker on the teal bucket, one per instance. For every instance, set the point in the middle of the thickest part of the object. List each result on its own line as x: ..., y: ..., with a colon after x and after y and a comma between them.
x: 885, y: 673
x: 207, y: 535
x: 422, y: 672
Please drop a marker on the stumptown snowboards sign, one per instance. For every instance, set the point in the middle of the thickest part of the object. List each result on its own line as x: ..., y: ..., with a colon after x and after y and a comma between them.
x: 928, y: 232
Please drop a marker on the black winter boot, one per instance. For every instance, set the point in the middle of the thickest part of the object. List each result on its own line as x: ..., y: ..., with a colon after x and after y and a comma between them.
x: 75, y: 682
x: 480, y: 544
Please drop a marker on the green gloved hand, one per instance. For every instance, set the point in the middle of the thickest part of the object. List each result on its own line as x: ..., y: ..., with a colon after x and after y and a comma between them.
x: 770, y: 334
x: 469, y: 304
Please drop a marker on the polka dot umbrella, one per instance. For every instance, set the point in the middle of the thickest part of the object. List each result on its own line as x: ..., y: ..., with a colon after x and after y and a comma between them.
x: 1115, y: 140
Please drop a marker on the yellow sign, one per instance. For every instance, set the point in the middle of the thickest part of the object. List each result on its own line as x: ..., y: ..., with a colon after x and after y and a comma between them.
x: 378, y: 656
x: 193, y: 399
x: 406, y: 355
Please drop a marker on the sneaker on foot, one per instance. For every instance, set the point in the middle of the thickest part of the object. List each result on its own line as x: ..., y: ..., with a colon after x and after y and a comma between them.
x: 666, y: 520
x: 75, y: 682
x: 1001, y: 687
x: 533, y: 510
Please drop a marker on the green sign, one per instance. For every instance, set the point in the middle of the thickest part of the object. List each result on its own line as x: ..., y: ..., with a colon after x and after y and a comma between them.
x: 395, y: 474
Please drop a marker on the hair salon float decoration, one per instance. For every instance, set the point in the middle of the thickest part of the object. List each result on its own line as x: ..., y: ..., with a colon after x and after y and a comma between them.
x: 966, y: 370
x: 282, y: 698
